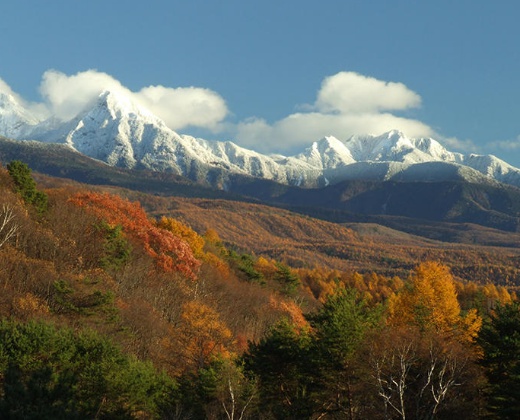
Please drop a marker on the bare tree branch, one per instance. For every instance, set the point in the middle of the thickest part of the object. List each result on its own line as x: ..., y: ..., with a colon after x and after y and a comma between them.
x: 8, y: 228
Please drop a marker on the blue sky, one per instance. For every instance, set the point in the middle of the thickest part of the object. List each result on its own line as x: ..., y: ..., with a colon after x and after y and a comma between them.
x: 276, y: 75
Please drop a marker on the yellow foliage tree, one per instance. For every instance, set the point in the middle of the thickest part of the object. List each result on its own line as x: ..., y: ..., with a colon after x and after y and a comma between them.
x: 504, y: 296
x: 212, y: 237
x: 217, y: 264
x: 196, y: 243
x: 429, y: 302
x: 203, y: 335
x: 194, y: 240
x: 266, y: 267
x: 30, y: 306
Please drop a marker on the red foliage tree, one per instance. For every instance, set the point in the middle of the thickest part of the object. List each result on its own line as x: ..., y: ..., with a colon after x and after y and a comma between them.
x: 170, y: 252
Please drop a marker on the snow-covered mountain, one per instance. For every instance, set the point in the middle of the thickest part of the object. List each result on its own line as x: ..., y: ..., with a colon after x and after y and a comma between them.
x: 15, y: 120
x: 122, y: 133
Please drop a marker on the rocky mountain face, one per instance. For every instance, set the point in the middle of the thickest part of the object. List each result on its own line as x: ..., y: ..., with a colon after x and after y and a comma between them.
x: 121, y: 133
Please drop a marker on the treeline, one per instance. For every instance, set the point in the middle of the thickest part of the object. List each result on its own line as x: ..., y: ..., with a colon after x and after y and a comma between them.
x: 108, y: 313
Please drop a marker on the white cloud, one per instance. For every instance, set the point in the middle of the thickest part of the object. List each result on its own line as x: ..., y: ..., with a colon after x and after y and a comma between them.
x: 66, y: 96
x: 508, y: 145
x: 253, y: 133
x: 300, y: 130
x: 347, y: 104
x: 38, y: 110
x: 181, y: 107
x: 349, y: 92
x: 456, y: 144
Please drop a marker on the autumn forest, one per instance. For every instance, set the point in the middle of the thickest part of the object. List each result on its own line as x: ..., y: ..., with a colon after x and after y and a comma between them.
x: 119, y: 304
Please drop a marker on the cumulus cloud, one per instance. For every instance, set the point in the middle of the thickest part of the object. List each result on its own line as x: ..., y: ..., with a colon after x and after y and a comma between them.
x: 180, y: 107
x: 347, y: 103
x: 349, y: 92
x: 66, y: 96
x: 299, y: 130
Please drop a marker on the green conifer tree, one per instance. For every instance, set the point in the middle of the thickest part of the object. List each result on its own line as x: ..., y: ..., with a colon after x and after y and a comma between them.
x: 500, y: 341
x: 26, y: 186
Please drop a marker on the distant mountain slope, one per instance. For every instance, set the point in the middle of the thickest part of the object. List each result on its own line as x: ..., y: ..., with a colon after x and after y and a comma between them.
x: 64, y: 162
x: 377, y: 176
x: 305, y: 241
x: 493, y: 205
x: 122, y: 133
x: 496, y: 206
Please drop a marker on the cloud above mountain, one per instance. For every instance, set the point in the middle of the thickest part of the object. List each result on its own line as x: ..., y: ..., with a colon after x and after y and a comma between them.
x: 347, y: 103
x: 353, y: 93
x: 184, y: 106
x: 66, y: 96
x: 38, y: 111
x: 510, y: 146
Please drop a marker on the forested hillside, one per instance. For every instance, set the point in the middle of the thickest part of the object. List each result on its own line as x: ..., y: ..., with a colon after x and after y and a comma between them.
x: 306, y: 242
x: 199, y: 309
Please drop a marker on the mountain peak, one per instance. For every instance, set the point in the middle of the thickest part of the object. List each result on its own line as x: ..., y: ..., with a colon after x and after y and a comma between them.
x: 393, y: 135
x: 119, y: 105
x: 329, y: 152
x: 15, y: 119
x: 395, y: 146
x: 119, y: 130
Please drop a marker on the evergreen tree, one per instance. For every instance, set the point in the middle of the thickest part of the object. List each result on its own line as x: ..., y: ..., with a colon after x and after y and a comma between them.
x: 340, y: 327
x: 282, y: 363
x: 26, y: 186
x: 311, y: 372
x: 116, y: 247
x: 500, y: 341
x: 286, y: 278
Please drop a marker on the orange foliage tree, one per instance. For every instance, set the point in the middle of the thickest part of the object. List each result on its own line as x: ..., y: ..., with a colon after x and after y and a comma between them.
x: 203, y: 335
x: 194, y: 240
x: 170, y: 252
x: 290, y: 309
x: 429, y: 302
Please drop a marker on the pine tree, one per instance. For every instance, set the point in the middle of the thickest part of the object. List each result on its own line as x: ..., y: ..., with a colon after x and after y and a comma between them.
x: 26, y: 186
x: 500, y: 341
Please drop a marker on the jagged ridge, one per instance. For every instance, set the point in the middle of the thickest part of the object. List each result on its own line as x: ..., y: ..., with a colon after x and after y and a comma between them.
x: 122, y: 133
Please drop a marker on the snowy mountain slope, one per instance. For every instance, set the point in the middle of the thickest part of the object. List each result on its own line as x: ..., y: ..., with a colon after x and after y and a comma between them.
x: 122, y: 133
x: 441, y: 171
x: 15, y: 120
x: 394, y: 146
x: 328, y: 153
